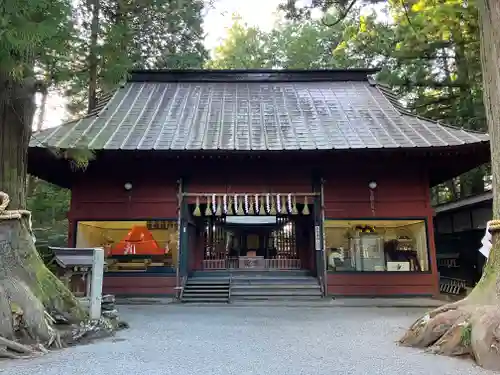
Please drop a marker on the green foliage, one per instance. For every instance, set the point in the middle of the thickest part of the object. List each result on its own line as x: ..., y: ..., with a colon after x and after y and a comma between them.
x: 49, y: 205
x: 428, y: 55
x: 151, y: 34
x: 32, y: 32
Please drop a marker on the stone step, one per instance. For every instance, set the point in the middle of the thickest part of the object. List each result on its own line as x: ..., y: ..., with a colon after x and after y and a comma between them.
x: 205, y: 300
x: 205, y: 286
x: 285, y: 302
x: 277, y: 292
x: 205, y: 291
x: 275, y: 286
x: 204, y: 295
x: 252, y: 299
x: 214, y: 280
x: 295, y: 281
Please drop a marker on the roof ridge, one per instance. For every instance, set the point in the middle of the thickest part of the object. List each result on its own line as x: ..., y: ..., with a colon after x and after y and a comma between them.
x: 387, y: 91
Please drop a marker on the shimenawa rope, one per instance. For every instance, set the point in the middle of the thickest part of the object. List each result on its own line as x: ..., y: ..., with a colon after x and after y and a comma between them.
x: 494, y: 226
x: 14, y: 214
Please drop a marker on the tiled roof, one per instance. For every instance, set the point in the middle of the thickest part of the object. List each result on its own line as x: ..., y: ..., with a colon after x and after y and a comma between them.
x: 252, y: 115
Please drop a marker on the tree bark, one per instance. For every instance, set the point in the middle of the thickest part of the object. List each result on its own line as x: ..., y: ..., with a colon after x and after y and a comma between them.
x: 24, y: 279
x: 93, y: 55
x: 15, y: 132
x: 472, y: 325
x: 489, y: 11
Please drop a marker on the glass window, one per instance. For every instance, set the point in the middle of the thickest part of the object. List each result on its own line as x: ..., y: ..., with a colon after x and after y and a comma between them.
x: 132, y: 245
x: 376, y: 245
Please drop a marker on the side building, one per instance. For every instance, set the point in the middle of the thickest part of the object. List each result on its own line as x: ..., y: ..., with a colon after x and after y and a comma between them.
x: 320, y: 172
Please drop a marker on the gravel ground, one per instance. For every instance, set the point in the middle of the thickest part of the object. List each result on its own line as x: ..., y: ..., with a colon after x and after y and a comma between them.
x: 220, y: 340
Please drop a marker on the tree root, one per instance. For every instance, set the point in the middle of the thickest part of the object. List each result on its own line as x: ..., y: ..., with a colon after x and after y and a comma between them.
x: 459, y: 329
x: 33, y: 301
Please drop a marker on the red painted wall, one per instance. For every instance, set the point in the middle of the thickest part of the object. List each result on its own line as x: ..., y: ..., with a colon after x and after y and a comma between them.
x: 139, y: 285
x: 402, y: 192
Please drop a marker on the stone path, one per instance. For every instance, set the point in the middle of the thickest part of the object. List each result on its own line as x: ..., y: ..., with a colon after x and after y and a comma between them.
x: 223, y: 340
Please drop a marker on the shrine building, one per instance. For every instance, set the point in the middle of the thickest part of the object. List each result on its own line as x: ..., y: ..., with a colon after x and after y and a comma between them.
x: 201, y: 176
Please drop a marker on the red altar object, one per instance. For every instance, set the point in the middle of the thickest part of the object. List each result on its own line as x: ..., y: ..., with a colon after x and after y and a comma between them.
x: 139, y: 241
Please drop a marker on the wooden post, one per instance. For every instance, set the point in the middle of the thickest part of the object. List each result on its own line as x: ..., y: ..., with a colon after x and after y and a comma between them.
x: 319, y: 232
x: 96, y: 279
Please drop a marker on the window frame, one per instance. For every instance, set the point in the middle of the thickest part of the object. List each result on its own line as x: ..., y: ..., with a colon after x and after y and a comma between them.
x: 164, y: 270
x: 425, y: 220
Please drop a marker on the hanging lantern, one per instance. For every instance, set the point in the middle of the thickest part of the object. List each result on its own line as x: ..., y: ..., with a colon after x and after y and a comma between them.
x: 283, y: 209
x: 208, y: 211
x: 197, y: 211
x: 262, y: 208
x: 230, y: 211
x: 218, y: 211
x: 272, y: 208
x: 251, y: 208
x: 239, y: 210
x: 305, y: 210
x: 294, y: 206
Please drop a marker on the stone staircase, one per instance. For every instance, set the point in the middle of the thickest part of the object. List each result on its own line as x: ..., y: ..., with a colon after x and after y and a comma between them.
x: 274, y: 286
x: 252, y: 287
x: 206, y: 289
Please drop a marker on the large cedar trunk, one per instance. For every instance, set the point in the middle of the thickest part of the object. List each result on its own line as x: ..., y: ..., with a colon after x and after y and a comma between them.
x: 472, y: 326
x: 25, y: 282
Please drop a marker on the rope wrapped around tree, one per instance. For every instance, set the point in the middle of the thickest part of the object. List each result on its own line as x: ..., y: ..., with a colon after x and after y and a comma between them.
x: 494, y: 226
x: 10, y: 214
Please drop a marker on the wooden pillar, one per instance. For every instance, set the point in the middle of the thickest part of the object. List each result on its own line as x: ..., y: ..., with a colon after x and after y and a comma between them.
x: 320, y: 262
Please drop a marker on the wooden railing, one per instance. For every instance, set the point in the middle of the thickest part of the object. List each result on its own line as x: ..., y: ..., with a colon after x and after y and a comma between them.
x: 271, y: 264
x: 215, y: 264
x: 283, y: 264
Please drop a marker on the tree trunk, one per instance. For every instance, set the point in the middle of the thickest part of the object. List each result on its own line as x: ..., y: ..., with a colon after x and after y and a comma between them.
x: 472, y: 325
x: 93, y: 58
x: 15, y: 133
x: 25, y: 282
